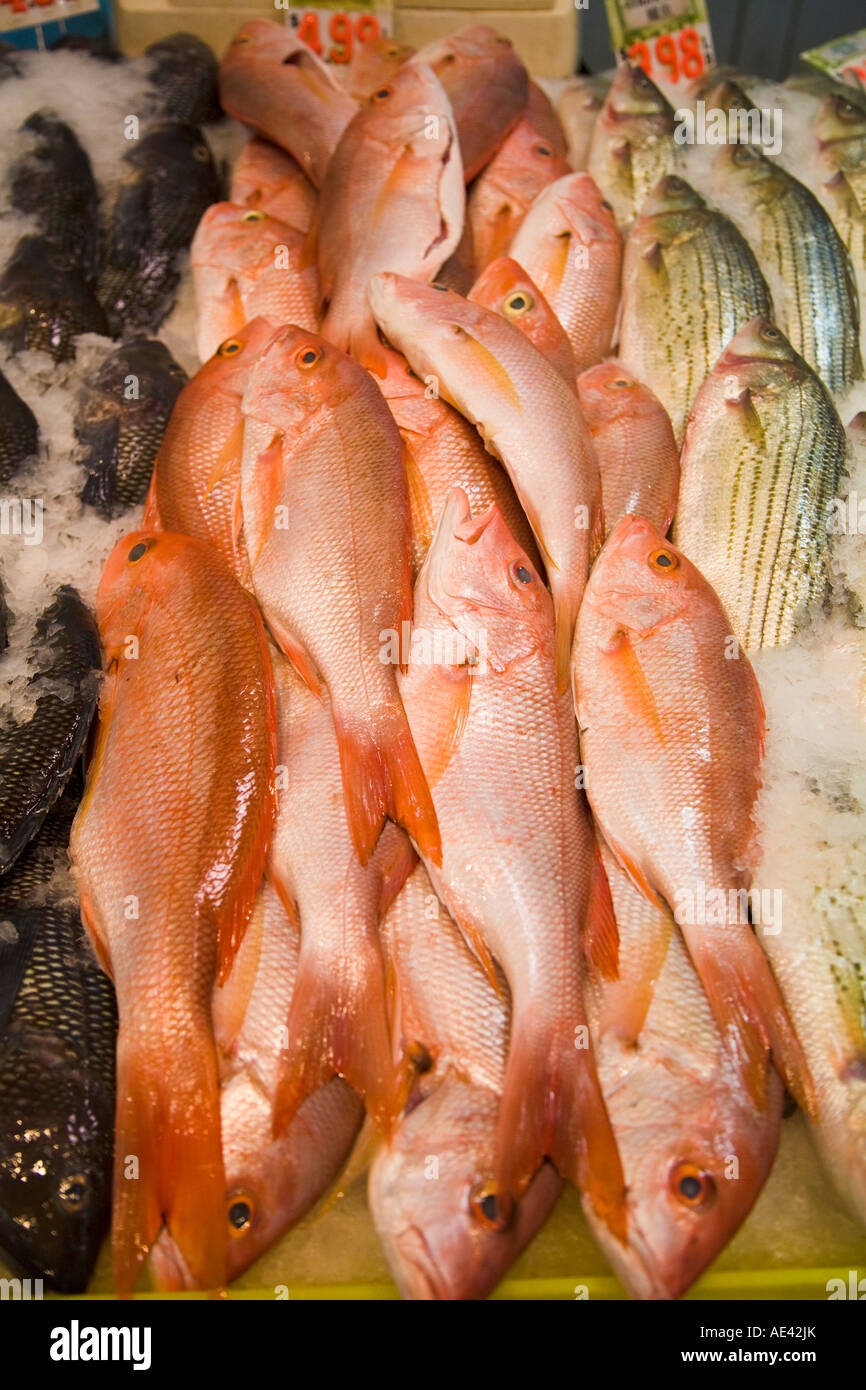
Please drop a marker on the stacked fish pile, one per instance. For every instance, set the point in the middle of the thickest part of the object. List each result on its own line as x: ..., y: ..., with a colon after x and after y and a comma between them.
x: 421, y: 822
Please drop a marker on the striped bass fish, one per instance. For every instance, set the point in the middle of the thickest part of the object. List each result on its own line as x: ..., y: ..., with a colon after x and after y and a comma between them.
x: 761, y: 464
x: 840, y: 132
x: 690, y: 282
x: 804, y: 258
x: 632, y: 144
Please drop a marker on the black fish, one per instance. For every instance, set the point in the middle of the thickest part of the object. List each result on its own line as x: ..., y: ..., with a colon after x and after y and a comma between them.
x: 121, y: 420
x: 171, y: 179
x: 58, y: 1028
x: 19, y: 432
x: 45, y: 302
x: 184, y: 70
x: 37, y: 756
x: 54, y: 184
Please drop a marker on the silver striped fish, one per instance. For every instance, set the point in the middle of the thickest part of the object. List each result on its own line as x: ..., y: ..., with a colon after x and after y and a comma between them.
x: 632, y: 142
x: 760, y: 469
x: 690, y: 282
x: 804, y: 258
x: 840, y: 131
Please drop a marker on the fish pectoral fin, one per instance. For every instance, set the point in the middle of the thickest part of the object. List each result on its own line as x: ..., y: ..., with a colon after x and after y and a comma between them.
x: 228, y: 459
x: 97, y: 940
x: 446, y: 693
x: 636, y: 874
x: 478, y: 946
x: 601, y: 934
x: 297, y: 655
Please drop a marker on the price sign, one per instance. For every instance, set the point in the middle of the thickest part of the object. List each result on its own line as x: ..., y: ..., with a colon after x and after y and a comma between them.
x: 334, y: 32
x: 23, y: 14
x: 844, y: 59
x: 670, y: 39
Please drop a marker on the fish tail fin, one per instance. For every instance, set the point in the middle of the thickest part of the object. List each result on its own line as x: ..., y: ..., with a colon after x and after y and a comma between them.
x: 552, y: 1107
x: 168, y: 1160
x: 365, y: 790
x: 338, y: 1025
x: 353, y: 329
x: 383, y: 776
x: 751, y: 1014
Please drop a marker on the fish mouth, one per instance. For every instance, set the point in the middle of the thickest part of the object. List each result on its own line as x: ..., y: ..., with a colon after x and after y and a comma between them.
x: 635, y: 1265
x: 456, y: 523
x: 419, y: 1276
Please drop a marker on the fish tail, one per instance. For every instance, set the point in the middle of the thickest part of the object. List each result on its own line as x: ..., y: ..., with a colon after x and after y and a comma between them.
x: 383, y: 776
x: 552, y: 1107
x: 354, y: 330
x: 750, y: 1012
x: 168, y: 1160
x: 338, y: 1025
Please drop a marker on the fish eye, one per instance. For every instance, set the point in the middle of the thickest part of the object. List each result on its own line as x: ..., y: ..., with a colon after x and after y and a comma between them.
x: 692, y: 1186
x: 392, y: 53
x: 201, y: 153
x: 846, y: 109
x: 492, y: 1212
x: 770, y: 334
x: 518, y: 303
x: 230, y: 348
x: 240, y: 1211
x: 419, y: 1057
x: 242, y: 38
x: 254, y: 215
x: 608, y: 207
x: 73, y: 1190
x: 138, y: 550
x: 500, y: 38
x: 520, y: 573
x: 744, y: 154
x: 543, y: 149
x: 307, y: 357
x: 621, y: 382
x: 663, y: 561
x: 675, y: 185
x: 443, y: 289
x: 382, y: 94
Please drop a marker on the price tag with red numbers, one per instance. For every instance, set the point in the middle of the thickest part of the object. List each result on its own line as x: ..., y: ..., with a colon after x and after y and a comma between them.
x: 670, y: 39
x: 333, y: 32
x: 844, y: 59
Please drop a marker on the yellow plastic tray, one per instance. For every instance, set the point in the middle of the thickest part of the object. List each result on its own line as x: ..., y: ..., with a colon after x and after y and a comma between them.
x: 797, y: 1238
